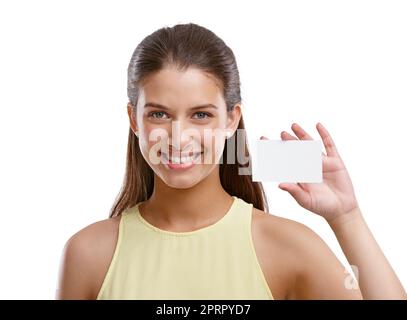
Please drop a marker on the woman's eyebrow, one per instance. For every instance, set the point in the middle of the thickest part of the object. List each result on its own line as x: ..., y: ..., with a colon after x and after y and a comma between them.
x: 157, y: 105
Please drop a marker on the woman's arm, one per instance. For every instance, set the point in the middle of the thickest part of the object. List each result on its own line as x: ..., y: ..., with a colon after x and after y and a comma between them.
x: 318, y: 272
x: 334, y: 199
x: 376, y: 278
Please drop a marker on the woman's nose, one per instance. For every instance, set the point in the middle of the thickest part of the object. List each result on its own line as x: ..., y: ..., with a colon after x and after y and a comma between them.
x: 182, y: 135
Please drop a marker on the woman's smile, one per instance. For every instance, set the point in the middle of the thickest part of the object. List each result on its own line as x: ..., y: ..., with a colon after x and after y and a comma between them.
x: 180, y: 161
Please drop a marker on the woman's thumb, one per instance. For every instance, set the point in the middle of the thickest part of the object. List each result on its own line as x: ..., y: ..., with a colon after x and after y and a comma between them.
x: 295, y: 190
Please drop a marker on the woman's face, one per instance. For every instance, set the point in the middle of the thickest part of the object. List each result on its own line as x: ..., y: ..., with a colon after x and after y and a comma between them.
x: 182, y: 124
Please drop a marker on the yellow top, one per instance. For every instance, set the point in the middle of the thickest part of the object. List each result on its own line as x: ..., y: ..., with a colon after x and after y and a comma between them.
x: 214, y: 262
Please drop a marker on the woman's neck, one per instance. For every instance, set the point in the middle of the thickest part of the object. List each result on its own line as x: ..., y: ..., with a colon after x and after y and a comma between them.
x: 183, y: 210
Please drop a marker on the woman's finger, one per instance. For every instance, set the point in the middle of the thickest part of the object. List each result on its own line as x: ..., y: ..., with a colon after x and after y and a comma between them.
x: 286, y: 136
x: 327, y: 140
x: 300, y: 132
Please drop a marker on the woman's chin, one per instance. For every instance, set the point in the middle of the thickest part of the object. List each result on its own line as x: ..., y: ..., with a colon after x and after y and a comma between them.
x: 181, y: 180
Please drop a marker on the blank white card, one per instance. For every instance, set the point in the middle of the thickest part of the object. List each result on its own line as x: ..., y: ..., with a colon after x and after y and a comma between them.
x: 287, y: 161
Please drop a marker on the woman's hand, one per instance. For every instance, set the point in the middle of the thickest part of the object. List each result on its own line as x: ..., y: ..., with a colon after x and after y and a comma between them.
x: 332, y: 198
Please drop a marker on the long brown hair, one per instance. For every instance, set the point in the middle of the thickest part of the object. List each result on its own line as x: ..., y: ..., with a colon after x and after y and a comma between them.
x: 184, y: 45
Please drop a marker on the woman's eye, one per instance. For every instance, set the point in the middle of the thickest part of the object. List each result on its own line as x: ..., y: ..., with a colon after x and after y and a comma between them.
x: 203, y: 115
x: 157, y: 114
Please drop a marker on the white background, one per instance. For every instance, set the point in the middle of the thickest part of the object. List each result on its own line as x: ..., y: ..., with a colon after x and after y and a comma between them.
x: 63, y: 120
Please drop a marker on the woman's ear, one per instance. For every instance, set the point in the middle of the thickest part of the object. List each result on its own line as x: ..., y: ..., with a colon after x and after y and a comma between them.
x: 132, y: 117
x: 233, y: 120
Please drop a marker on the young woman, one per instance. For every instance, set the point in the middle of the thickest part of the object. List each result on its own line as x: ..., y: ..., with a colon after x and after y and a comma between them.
x: 193, y: 225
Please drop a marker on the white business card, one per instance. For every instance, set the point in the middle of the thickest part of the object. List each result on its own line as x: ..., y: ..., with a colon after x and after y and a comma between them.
x: 287, y: 161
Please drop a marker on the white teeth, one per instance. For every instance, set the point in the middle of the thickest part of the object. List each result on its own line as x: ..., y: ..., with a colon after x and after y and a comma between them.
x: 175, y: 160
x: 178, y: 160
x: 186, y: 159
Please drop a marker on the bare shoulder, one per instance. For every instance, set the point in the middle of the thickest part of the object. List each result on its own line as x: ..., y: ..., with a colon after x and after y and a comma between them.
x: 86, y: 258
x: 277, y: 242
x: 282, y: 231
x: 297, y: 262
